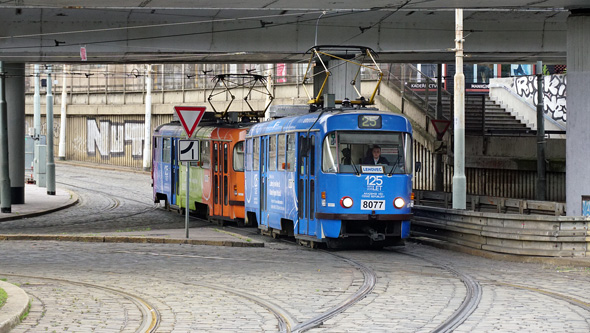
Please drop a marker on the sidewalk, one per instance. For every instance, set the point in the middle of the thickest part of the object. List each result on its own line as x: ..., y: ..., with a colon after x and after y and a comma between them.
x: 37, y: 202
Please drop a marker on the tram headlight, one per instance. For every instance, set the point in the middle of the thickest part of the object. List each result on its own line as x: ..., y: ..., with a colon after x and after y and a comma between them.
x: 399, y: 203
x: 346, y: 202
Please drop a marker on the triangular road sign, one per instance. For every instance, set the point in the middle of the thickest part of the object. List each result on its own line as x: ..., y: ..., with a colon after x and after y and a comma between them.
x: 189, y: 116
x: 440, y: 126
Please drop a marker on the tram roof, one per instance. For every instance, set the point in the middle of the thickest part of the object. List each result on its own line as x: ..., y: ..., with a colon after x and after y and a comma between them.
x: 329, y: 121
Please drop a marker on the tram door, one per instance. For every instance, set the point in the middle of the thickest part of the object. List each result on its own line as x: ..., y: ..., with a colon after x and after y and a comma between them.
x: 263, y: 180
x: 306, y: 185
x: 220, y: 178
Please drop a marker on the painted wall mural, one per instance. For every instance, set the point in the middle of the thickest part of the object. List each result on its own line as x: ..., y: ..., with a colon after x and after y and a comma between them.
x: 103, y: 139
x: 554, y: 93
x: 109, y: 139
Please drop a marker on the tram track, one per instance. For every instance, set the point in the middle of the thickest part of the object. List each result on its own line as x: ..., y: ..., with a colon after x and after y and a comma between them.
x: 150, y: 315
x: 470, y: 302
x: 285, y: 320
x: 558, y: 296
x: 98, y: 213
x: 473, y: 294
x: 369, y: 282
x: 109, y: 194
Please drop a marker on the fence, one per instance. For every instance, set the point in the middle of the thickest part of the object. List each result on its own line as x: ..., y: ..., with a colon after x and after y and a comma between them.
x: 119, y: 78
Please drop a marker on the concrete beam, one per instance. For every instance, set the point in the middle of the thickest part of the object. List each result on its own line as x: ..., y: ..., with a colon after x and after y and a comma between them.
x: 214, y: 35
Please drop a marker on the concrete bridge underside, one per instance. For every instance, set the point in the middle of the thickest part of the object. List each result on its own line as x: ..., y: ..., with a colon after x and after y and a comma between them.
x: 150, y: 31
x: 281, y: 31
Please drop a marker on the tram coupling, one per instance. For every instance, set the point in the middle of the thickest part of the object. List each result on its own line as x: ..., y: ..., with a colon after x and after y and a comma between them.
x: 374, y: 235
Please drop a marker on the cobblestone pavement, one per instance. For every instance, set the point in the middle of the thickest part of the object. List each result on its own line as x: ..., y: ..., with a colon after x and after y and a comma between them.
x: 118, y: 287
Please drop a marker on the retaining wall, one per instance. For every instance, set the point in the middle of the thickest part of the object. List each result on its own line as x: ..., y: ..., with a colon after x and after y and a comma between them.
x: 535, y: 235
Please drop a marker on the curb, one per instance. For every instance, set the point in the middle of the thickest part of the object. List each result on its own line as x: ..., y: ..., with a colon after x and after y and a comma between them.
x: 74, y: 199
x: 128, y: 239
x: 554, y: 261
x: 16, y: 305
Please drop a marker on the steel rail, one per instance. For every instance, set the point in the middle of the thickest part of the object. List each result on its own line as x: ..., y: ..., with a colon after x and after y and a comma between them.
x: 370, y: 279
x: 473, y: 294
x: 149, y: 313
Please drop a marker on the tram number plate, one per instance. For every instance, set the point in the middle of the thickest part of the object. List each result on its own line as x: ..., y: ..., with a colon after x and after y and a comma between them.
x: 373, y: 204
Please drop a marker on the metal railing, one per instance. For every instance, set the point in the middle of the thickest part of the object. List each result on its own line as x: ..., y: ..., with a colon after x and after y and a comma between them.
x: 117, y: 78
x: 418, y: 88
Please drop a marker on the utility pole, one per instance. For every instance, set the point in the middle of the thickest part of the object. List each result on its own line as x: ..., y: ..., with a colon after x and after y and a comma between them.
x: 49, y: 119
x: 147, y: 150
x: 459, y: 181
x: 62, y: 119
x: 37, y: 107
x: 438, y: 162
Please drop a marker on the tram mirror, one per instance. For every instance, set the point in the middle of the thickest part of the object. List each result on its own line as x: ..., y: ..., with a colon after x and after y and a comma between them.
x: 418, y: 166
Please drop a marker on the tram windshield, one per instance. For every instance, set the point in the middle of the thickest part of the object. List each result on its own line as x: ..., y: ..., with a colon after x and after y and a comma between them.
x: 367, y: 152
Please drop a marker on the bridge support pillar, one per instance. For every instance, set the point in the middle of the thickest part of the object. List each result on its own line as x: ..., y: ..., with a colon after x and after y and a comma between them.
x: 578, y: 110
x: 15, y: 103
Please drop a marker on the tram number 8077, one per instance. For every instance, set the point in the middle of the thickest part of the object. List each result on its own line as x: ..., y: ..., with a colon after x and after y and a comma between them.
x: 373, y: 204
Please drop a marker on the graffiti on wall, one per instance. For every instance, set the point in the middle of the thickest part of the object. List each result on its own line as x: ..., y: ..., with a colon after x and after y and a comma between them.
x: 109, y: 139
x: 553, y: 95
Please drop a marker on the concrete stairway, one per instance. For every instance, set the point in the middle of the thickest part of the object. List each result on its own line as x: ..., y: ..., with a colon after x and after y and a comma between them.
x: 485, y: 117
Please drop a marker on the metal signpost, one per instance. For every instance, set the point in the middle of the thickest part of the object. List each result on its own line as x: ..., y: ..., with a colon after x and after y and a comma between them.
x: 188, y: 150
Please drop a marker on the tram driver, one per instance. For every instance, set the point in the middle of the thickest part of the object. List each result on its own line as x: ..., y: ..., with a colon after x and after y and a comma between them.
x: 375, y: 157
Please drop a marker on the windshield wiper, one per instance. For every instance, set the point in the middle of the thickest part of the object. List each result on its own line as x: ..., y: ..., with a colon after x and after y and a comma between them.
x: 356, y: 171
x: 394, y: 165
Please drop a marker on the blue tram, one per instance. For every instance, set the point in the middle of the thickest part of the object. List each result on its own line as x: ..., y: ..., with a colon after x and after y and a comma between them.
x: 314, y: 177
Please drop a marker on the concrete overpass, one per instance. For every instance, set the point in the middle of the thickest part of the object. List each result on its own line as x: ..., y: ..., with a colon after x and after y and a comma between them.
x: 553, y: 31
x: 281, y: 31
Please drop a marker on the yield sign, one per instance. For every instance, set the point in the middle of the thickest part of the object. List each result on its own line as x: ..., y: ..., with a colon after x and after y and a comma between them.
x: 440, y: 126
x: 189, y: 116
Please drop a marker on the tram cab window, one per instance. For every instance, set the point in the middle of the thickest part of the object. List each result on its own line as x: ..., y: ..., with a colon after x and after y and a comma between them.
x: 346, y: 151
x: 330, y: 160
x: 238, y: 156
x: 205, y: 154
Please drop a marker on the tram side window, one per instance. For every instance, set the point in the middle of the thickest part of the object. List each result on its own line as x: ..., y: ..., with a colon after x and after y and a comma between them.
x: 205, y: 155
x: 166, y: 150
x: 282, y: 153
x: 272, y: 153
x: 256, y: 154
x: 225, y: 148
x: 312, y: 155
x: 249, y: 156
x: 239, y: 156
x: 290, y: 152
